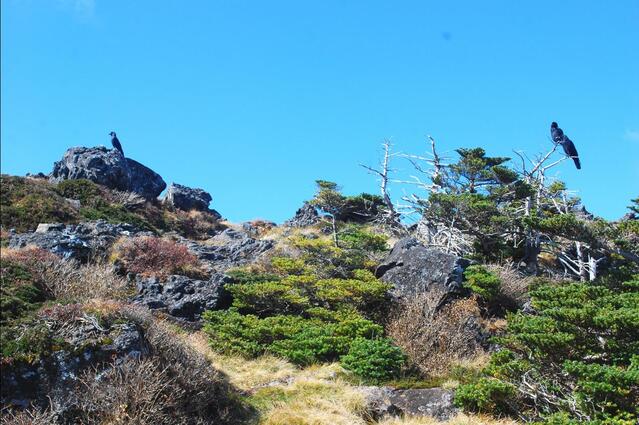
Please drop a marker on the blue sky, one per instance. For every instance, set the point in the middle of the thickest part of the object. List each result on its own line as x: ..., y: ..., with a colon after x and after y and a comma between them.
x: 254, y: 100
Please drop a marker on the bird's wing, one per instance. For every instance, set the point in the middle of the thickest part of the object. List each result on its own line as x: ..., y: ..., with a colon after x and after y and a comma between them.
x: 569, y: 147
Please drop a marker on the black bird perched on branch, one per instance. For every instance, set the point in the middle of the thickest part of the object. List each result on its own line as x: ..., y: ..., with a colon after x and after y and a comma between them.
x: 116, y: 143
x: 558, y: 136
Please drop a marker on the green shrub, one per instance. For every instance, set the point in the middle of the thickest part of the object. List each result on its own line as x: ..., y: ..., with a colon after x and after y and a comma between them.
x: 287, y: 295
x: 301, y: 340
x: 482, y: 282
x: 307, y: 309
x: 296, y: 294
x: 575, y: 359
x: 27, y: 202
x: 326, y: 260
x: 375, y: 360
x: 94, y: 204
x: 22, y: 337
x: 357, y: 237
x: 20, y: 292
x: 485, y: 395
x: 82, y: 190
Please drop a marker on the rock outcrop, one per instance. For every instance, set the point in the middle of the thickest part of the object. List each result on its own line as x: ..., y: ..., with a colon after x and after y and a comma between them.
x: 187, y: 198
x: 82, y: 344
x: 75, y: 241
x: 304, y: 216
x: 183, y: 297
x: 386, y: 401
x: 230, y: 248
x: 108, y: 168
x: 415, y: 269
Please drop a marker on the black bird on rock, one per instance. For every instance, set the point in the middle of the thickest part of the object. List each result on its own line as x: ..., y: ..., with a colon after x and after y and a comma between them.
x: 558, y: 136
x: 116, y: 143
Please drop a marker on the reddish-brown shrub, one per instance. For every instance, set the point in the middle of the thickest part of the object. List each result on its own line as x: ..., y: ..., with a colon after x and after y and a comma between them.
x: 151, y: 256
x: 30, y: 257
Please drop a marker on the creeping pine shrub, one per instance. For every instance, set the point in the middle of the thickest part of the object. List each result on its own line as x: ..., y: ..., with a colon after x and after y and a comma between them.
x: 151, y: 256
x: 268, y: 294
x: 375, y: 360
x: 482, y: 282
x: 575, y: 359
x: 301, y: 340
x: 328, y: 261
x: 298, y: 315
x: 486, y: 395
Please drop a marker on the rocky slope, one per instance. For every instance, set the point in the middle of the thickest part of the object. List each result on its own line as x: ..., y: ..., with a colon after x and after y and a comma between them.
x: 121, y: 307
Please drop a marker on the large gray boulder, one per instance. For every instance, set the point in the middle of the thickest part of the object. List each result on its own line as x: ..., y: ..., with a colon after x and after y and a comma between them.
x: 415, y: 269
x: 75, y: 241
x: 183, y: 297
x: 108, y: 168
x: 187, y: 198
x: 431, y: 402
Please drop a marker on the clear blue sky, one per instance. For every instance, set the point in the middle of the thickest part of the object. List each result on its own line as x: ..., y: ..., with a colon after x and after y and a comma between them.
x: 253, y: 101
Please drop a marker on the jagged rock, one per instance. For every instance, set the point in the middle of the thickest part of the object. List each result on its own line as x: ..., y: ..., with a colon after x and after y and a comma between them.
x: 84, y: 344
x: 629, y: 217
x: 183, y: 297
x: 415, y: 269
x: 75, y: 241
x: 186, y: 198
x: 257, y: 228
x: 230, y: 248
x: 581, y: 212
x: 305, y: 216
x: 432, y: 402
x: 109, y: 168
x: 378, y: 402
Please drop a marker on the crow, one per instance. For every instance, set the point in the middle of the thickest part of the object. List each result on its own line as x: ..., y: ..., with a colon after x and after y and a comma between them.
x: 116, y: 143
x: 558, y: 136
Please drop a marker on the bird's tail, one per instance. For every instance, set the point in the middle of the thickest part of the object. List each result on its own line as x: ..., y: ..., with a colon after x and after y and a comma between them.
x: 577, y: 162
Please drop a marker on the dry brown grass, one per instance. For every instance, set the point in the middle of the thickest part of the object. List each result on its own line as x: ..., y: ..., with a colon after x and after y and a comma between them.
x: 312, y: 402
x: 435, y: 344
x: 192, y: 224
x: 67, y: 279
x: 173, y: 385
x: 244, y: 374
x: 286, y: 394
x: 514, y: 286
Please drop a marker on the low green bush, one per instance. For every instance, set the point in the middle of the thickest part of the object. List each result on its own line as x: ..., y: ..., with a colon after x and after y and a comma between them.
x: 301, y: 340
x: 482, y: 282
x: 574, y: 360
x: 375, y: 360
x: 27, y: 202
x: 22, y: 337
x: 486, y: 395
x: 310, y: 309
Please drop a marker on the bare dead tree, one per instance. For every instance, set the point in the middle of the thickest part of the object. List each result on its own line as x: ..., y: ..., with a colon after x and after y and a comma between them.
x: 577, y: 257
x: 391, y: 215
